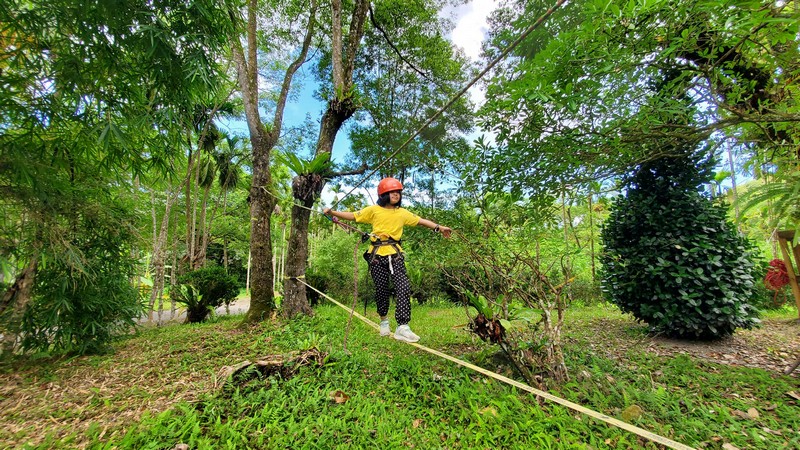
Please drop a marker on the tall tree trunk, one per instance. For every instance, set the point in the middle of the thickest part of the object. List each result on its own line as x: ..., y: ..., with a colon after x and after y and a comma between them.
x: 262, y: 298
x: 735, y: 200
x: 173, y: 276
x: 340, y: 108
x: 306, y: 192
x: 188, y: 206
x: 192, y: 224
x: 565, y: 217
x: 591, y: 235
x: 202, y: 245
x: 225, y: 239
x: 294, y: 292
x: 159, y: 258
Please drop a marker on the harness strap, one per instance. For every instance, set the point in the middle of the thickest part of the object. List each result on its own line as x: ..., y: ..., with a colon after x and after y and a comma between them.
x: 382, y: 243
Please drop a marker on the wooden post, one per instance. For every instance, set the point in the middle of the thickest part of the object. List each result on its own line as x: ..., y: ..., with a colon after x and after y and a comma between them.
x: 784, y: 238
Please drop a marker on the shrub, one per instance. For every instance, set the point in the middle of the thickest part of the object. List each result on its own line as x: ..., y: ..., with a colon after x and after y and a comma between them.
x: 83, y: 296
x: 204, y: 289
x: 331, y: 269
x: 672, y: 258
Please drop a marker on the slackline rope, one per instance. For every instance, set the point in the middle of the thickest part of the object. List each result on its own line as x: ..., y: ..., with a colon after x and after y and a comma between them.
x: 460, y: 93
x: 641, y: 432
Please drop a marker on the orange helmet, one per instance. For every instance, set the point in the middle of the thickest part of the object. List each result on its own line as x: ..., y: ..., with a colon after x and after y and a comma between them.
x: 389, y: 185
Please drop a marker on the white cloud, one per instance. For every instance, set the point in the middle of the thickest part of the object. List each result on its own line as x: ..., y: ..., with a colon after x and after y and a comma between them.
x: 471, y: 26
x: 470, y: 31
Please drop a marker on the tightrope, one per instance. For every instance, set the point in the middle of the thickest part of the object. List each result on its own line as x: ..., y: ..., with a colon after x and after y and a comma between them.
x: 641, y: 432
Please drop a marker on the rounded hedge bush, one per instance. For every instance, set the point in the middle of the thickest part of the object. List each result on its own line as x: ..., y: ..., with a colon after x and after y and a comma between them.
x: 673, y: 259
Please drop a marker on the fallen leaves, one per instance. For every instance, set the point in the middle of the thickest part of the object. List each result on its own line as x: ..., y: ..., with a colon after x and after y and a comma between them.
x: 632, y: 412
x: 339, y: 397
x: 751, y: 413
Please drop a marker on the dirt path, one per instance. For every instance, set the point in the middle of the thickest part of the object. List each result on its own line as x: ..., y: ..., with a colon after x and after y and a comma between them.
x: 774, y: 346
x: 239, y: 306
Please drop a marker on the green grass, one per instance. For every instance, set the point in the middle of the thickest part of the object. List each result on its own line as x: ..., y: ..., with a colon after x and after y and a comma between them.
x: 157, y: 391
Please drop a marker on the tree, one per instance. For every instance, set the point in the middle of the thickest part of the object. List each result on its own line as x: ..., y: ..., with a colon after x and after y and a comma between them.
x: 672, y: 258
x: 306, y: 188
x: 90, y: 100
x: 577, y: 92
x: 263, y: 139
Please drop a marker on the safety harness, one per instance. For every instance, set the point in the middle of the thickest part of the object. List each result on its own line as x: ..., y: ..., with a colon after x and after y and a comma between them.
x: 378, y: 242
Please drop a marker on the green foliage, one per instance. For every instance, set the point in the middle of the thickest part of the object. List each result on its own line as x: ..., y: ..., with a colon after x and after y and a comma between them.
x: 673, y: 259
x: 419, y: 72
x: 84, y: 298
x: 331, y: 268
x: 780, y: 197
x: 93, y: 97
x: 575, y: 103
x: 204, y: 289
x: 319, y: 165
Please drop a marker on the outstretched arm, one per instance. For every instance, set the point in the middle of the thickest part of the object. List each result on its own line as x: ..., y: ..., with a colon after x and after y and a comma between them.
x: 436, y: 227
x: 346, y: 215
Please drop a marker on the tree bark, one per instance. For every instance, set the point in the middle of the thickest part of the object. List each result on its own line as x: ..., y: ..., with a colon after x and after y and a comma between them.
x: 295, y: 300
x: 202, y: 239
x: 262, y: 298
x: 159, y: 256
x: 16, y: 298
x: 591, y: 236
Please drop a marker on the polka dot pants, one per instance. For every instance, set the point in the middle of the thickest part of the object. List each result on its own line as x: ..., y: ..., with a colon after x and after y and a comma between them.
x: 381, y: 274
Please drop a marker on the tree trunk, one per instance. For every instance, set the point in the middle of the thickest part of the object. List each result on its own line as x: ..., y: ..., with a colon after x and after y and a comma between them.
x: 591, y: 236
x: 202, y: 239
x: 192, y: 244
x: 262, y: 298
x: 225, y: 239
x: 173, y: 277
x: 16, y: 298
x: 159, y: 258
x: 294, y: 293
x: 340, y: 108
x: 735, y: 199
x: 188, y: 207
x: 295, y: 301
x: 262, y: 201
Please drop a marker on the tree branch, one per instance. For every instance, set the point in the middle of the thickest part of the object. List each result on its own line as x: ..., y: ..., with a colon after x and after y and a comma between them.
x: 358, y: 171
x: 353, y: 41
x: 396, y: 50
x: 287, y: 79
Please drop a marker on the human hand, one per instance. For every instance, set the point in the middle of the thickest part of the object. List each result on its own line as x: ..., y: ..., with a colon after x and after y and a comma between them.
x: 326, y: 211
x: 445, y: 231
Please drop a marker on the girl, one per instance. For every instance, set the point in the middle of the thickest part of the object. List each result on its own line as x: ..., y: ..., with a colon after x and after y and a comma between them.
x: 385, y: 256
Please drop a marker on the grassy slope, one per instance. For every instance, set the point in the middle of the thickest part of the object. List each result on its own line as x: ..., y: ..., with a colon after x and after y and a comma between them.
x: 157, y: 391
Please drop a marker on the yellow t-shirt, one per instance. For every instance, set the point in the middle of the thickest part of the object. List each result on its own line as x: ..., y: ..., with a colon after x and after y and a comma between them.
x: 387, y: 222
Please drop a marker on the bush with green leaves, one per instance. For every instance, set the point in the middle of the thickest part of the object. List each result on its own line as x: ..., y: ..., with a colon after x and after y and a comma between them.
x: 204, y: 289
x: 672, y: 258
x: 331, y: 271
x: 83, y: 296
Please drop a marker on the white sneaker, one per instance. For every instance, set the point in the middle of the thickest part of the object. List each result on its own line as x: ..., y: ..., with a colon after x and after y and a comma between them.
x: 404, y: 333
x: 385, y: 331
